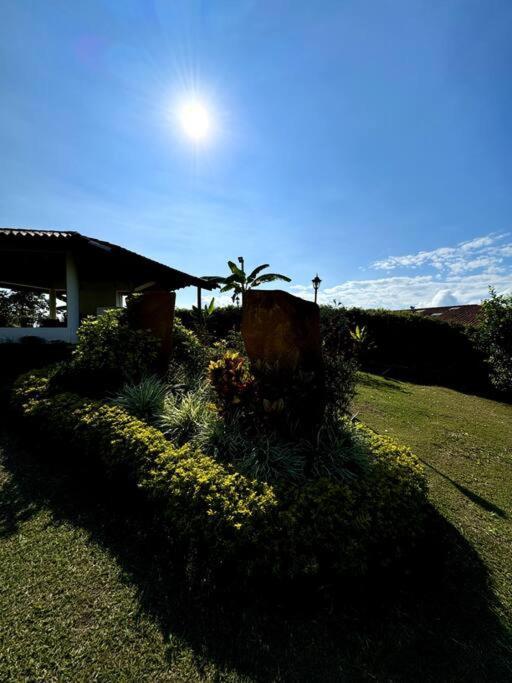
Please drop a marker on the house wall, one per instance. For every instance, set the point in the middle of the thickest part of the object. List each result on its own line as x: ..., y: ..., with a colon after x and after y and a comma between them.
x: 94, y: 295
x: 103, y: 294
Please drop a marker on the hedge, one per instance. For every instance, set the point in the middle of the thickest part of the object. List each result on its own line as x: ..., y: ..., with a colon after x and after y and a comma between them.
x: 323, y: 527
x: 402, y: 343
x: 419, y: 347
x: 16, y: 358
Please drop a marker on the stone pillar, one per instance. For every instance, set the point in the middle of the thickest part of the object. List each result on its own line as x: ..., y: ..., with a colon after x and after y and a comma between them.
x: 281, y: 334
x: 278, y: 327
x: 154, y: 311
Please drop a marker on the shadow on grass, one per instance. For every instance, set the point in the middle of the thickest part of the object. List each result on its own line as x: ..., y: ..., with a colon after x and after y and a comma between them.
x: 436, y: 624
x: 473, y: 497
x: 381, y: 382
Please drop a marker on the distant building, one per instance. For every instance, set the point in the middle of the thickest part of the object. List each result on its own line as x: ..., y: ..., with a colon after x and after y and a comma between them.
x: 464, y: 315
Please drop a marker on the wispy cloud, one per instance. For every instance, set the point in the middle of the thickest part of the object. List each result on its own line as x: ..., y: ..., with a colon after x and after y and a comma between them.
x: 487, y: 252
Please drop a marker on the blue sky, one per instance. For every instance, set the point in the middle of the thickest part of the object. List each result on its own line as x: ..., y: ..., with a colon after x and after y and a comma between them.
x: 367, y: 141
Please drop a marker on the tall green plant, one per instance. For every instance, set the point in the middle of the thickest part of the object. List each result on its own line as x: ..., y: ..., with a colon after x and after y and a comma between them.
x: 240, y: 282
x: 494, y: 338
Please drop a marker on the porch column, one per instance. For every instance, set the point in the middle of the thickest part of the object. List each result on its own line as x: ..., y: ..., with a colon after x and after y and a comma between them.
x: 72, y: 298
x: 53, y: 304
x: 199, y: 303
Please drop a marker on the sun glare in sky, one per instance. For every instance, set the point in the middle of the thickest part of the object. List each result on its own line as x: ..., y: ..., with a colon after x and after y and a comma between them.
x: 195, y: 120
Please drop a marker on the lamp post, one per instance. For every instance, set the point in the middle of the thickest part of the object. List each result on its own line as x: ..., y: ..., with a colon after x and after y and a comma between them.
x: 316, y: 285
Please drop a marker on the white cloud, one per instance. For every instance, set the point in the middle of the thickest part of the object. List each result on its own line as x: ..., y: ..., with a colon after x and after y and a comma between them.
x: 399, y: 292
x: 481, y: 252
x: 443, y: 297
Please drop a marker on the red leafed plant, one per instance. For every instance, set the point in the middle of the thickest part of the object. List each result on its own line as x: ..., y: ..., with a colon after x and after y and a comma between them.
x: 231, y: 378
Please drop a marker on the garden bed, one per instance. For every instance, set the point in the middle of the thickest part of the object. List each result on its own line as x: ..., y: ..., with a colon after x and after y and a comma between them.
x: 322, y: 527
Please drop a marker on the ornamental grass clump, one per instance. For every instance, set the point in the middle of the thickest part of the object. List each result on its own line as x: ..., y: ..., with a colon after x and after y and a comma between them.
x: 145, y: 399
x: 189, y: 416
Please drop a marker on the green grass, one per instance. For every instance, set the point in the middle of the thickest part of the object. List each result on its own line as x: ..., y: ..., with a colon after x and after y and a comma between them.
x: 87, y: 594
x: 466, y: 444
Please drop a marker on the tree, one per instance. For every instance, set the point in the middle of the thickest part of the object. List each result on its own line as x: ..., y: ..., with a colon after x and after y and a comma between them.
x: 21, y: 308
x: 494, y: 338
x: 239, y: 282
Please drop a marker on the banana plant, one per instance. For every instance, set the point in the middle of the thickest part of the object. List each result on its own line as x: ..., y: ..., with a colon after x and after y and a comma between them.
x: 206, y: 311
x: 240, y: 282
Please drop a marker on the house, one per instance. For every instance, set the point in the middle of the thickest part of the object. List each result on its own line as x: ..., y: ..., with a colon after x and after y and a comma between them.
x: 81, y: 276
x: 466, y: 314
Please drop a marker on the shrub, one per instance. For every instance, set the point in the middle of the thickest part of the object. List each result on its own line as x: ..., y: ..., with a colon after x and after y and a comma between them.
x: 231, y: 379
x: 107, y: 342
x: 144, y: 400
x: 494, y: 337
x: 108, y: 352
x: 189, y: 357
x: 352, y: 528
x: 219, y: 324
x: 322, y: 527
x: 340, y: 363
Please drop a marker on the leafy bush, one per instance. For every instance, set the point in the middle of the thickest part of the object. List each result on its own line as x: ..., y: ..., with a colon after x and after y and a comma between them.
x: 220, y: 323
x: 322, y: 527
x: 144, y: 400
x: 231, y: 378
x: 494, y: 338
x: 189, y: 357
x: 108, y: 352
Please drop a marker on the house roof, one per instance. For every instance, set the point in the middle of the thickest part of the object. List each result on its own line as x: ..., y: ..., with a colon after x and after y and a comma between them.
x: 97, y: 252
x: 464, y: 315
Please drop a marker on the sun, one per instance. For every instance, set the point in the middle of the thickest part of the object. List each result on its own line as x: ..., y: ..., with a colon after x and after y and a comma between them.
x: 195, y: 120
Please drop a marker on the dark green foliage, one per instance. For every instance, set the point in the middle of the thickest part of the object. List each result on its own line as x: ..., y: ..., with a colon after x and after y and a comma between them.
x: 108, y: 353
x: 340, y: 356
x: 494, y: 337
x: 18, y: 358
x: 219, y: 323
x: 186, y: 346
x: 418, y: 347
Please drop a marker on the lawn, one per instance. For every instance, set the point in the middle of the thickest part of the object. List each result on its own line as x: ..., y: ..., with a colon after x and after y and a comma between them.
x: 85, y: 595
x: 466, y: 444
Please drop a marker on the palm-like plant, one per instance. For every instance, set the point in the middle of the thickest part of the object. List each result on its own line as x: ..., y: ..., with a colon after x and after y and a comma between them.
x: 239, y: 281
